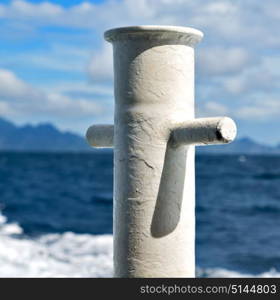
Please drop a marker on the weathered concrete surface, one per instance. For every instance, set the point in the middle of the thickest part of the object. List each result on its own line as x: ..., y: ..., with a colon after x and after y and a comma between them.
x: 154, y: 224
x: 198, y: 132
x: 153, y: 137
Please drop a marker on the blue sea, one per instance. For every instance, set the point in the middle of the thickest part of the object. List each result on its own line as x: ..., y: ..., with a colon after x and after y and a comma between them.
x: 56, y: 215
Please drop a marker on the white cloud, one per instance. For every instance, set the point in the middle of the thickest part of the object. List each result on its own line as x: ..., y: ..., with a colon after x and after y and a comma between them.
x: 13, y: 87
x: 116, y: 13
x: 236, y: 85
x: 271, y: 9
x: 220, y: 60
x: 263, y: 76
x: 220, y: 7
x: 260, y: 110
x: 58, y: 57
x: 20, y: 8
x: 237, y: 24
x: 216, y: 108
x: 17, y: 98
x: 67, y: 107
x: 212, y: 109
x: 227, y: 19
x: 236, y: 60
x: 83, y: 88
x: 101, y: 65
x: 5, y: 109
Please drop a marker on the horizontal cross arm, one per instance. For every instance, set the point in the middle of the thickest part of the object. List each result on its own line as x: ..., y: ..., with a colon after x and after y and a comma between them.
x: 100, y: 136
x: 204, y: 131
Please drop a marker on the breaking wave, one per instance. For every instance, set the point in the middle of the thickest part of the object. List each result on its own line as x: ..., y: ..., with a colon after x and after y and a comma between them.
x: 69, y: 255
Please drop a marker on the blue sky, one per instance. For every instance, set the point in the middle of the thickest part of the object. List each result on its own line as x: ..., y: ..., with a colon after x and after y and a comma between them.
x: 56, y: 67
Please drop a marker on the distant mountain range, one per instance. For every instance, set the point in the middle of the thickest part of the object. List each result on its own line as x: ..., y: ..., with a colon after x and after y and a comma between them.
x: 243, y: 145
x: 46, y: 137
x: 42, y: 137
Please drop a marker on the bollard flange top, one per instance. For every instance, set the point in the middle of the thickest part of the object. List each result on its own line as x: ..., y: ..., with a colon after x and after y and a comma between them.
x: 187, y: 35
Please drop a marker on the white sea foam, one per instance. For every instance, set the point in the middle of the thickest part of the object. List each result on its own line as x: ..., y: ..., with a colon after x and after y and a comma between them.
x: 53, y: 255
x: 224, y: 273
x: 69, y: 255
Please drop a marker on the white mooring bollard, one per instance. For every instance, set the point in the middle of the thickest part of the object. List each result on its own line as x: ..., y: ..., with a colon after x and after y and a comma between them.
x: 153, y: 139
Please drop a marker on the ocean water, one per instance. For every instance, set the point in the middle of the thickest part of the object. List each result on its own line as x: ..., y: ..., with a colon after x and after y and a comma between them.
x: 56, y: 215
